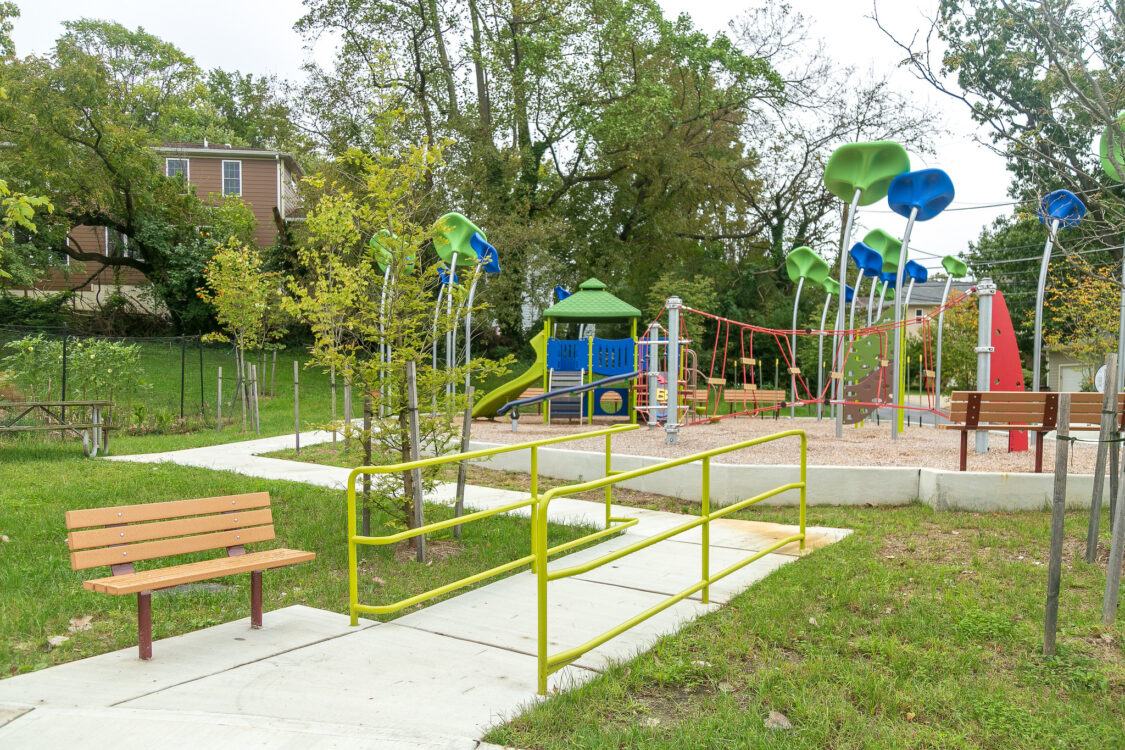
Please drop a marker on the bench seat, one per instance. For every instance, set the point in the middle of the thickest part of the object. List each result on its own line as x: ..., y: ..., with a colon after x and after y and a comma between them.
x: 176, y: 575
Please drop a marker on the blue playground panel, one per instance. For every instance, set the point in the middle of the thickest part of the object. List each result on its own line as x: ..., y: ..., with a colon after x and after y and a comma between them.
x: 617, y: 408
x: 611, y: 356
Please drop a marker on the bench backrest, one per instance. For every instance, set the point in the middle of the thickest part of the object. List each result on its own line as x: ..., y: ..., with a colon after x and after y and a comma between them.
x: 1028, y: 408
x: 746, y: 395
x: 131, y: 533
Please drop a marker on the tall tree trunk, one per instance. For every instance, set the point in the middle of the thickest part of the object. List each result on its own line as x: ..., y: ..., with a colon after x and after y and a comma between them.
x: 454, y: 113
x: 483, y: 104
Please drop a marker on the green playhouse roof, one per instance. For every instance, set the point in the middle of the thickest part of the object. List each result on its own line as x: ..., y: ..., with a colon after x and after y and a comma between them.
x: 592, y: 304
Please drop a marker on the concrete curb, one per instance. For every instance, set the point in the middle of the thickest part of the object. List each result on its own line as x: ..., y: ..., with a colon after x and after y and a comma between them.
x: 827, y: 485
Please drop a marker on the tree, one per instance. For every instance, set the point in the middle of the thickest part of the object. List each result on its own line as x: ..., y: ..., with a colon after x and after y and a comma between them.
x: 244, y: 296
x: 338, y: 294
x: 17, y: 215
x: 1080, y: 313
x: 253, y: 112
x: 80, y: 124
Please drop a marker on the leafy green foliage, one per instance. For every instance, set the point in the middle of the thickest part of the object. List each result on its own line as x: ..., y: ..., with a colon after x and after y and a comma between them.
x: 96, y: 368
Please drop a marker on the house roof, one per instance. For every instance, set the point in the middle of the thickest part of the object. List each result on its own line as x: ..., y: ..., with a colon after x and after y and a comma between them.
x: 930, y: 292
x: 592, y: 304
x: 220, y: 150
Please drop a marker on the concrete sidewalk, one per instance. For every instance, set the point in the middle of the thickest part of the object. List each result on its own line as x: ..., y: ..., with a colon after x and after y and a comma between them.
x: 438, y: 677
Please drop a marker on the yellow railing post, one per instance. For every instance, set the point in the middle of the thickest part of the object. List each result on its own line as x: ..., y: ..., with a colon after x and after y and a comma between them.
x: 353, y: 574
x: 804, y: 468
x: 534, y: 506
x: 540, y: 532
x: 705, y: 511
x: 608, y: 472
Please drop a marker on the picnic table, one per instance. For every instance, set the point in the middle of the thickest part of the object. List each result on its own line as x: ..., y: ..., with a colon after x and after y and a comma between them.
x: 92, y: 426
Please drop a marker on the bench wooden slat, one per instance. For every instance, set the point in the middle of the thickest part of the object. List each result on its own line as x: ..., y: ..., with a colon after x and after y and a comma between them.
x: 167, y: 547
x: 162, y: 578
x: 143, y: 532
x: 78, y: 519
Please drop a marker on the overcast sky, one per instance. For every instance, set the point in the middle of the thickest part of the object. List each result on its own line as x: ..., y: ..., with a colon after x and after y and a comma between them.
x: 257, y: 36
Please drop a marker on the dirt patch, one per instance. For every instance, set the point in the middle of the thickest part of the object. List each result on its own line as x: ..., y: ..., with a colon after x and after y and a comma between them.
x: 867, y: 445
x: 437, y: 550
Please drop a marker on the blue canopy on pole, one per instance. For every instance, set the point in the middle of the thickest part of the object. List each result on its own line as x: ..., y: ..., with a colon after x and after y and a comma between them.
x: 929, y: 191
x: 869, y: 261
x: 561, y: 293
x: 915, y: 271
x: 486, y: 253
x: 1063, y: 206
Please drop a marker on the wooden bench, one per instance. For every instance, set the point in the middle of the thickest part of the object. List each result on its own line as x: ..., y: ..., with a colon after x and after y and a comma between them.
x: 753, y: 399
x: 1017, y: 411
x: 128, y: 534
x: 93, y: 430
x: 532, y: 393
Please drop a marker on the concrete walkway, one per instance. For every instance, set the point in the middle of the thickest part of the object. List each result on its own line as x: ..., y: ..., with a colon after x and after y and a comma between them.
x: 438, y: 677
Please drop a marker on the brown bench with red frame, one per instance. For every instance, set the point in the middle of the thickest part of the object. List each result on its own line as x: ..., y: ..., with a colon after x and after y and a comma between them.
x: 751, y: 398
x: 123, y: 535
x: 1016, y: 411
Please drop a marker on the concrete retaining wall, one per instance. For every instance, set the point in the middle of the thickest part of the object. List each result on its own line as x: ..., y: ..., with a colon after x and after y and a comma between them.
x: 827, y: 485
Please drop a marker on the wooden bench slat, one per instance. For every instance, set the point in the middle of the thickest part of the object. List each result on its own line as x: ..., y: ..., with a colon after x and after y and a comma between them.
x: 143, y: 532
x: 167, y: 547
x: 78, y: 519
x: 161, y: 578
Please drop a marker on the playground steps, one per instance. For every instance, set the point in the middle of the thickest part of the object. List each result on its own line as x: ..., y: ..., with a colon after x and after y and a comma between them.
x: 567, y: 407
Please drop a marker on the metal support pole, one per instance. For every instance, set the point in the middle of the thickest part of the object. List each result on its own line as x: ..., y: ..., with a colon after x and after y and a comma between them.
x: 64, y: 340
x: 1121, y: 330
x: 838, y: 339
x: 985, y: 291
x: 1058, y: 515
x: 937, y: 354
x: 897, y: 383
x: 462, y: 468
x: 820, y: 360
x: 1106, y: 430
x: 183, y: 372
x: 871, y: 300
x: 451, y: 332
x: 202, y: 402
x: 219, y: 403
x: 671, y: 423
x: 652, y: 363
x: 1036, y: 353
x: 296, y: 410
x: 793, y: 348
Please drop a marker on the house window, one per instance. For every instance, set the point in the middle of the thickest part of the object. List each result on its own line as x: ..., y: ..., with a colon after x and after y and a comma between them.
x: 232, y: 178
x: 918, y: 314
x: 117, y: 244
x: 173, y: 167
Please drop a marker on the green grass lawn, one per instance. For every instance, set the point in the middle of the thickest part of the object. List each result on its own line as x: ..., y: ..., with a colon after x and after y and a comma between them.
x: 39, y: 593
x: 922, y: 629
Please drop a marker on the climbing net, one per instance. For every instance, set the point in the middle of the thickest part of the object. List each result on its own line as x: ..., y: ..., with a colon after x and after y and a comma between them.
x: 705, y: 395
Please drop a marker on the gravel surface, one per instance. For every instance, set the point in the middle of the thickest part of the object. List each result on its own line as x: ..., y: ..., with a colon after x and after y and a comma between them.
x: 869, y: 445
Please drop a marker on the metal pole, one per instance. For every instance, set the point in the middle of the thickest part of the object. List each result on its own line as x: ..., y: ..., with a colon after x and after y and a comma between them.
x: 437, y: 314
x: 296, y: 410
x: 469, y: 326
x: 1106, y: 429
x: 937, y: 354
x: 1040, y: 290
x: 451, y: 334
x: 415, y: 474
x: 1121, y: 330
x: 871, y: 300
x: 896, y: 372
x: 882, y: 297
x: 838, y: 339
x: 1058, y: 515
x: 64, y: 340
x: 855, y: 298
x: 332, y: 381
x: 1113, y: 573
x: 793, y: 348
x: 671, y: 422
x: 652, y: 363
x: 985, y: 290
x: 462, y: 469
x: 183, y: 372
x: 820, y: 360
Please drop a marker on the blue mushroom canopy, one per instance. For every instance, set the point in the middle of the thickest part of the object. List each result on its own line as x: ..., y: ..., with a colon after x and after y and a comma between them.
x: 1063, y: 206
x: 561, y: 293
x: 490, y: 259
x: 929, y: 191
x: 888, y: 279
x: 849, y: 294
x: 866, y: 259
x: 916, y: 271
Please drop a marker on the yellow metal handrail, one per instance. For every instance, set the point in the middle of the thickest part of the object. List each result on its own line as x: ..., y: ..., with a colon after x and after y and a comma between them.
x: 552, y: 663
x: 613, y: 525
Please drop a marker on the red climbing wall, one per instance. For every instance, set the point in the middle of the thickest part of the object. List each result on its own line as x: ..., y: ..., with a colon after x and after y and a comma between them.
x: 1007, y: 370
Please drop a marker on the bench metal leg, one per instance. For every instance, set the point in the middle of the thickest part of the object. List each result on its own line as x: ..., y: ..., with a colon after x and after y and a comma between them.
x: 1039, y: 452
x: 964, y: 449
x: 144, y: 624
x: 255, y: 599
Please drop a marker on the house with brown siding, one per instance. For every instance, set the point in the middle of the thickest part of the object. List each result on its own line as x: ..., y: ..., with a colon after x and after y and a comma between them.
x: 266, y: 180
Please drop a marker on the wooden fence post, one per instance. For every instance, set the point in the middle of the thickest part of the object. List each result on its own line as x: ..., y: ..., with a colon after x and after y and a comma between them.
x: 219, y: 403
x: 1106, y: 428
x: 1116, y: 548
x: 1058, y: 515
